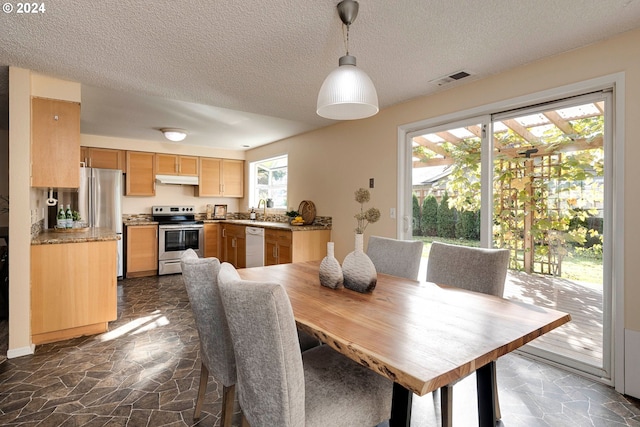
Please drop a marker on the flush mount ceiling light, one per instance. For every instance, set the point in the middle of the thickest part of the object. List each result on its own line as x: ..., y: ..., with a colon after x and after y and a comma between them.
x: 173, y: 134
x: 347, y: 93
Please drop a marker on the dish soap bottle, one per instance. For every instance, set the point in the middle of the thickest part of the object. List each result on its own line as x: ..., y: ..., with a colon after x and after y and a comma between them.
x: 252, y: 215
x: 61, y: 219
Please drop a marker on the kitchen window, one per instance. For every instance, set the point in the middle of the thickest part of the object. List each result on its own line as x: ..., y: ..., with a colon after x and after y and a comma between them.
x: 268, y: 180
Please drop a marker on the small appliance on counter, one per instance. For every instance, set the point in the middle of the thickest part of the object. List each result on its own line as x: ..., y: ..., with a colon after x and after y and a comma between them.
x: 178, y: 231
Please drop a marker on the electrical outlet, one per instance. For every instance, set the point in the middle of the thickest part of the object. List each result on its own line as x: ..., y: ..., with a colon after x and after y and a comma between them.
x: 392, y: 213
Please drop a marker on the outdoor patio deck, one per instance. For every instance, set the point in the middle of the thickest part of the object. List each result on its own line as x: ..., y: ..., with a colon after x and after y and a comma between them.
x: 580, y: 339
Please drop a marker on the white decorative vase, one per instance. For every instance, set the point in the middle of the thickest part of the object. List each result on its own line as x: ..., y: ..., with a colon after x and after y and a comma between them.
x: 359, y: 272
x: 330, y: 270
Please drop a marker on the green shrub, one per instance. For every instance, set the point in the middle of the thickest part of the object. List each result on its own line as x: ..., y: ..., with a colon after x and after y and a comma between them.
x: 429, y: 223
x: 416, y: 217
x: 446, y: 218
x: 468, y: 225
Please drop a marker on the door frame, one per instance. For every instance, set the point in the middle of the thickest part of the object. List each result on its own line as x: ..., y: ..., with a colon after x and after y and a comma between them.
x: 616, y: 176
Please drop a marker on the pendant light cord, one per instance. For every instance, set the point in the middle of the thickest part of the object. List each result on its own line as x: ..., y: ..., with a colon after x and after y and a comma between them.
x: 345, y: 37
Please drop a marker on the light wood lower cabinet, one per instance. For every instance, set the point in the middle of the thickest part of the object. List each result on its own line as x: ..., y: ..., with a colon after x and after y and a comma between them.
x: 142, y: 250
x: 212, y: 240
x: 283, y: 246
x: 73, y: 290
x: 234, y: 245
x: 277, y: 246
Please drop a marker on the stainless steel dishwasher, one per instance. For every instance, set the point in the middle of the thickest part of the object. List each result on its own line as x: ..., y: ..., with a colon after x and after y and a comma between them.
x: 255, y: 246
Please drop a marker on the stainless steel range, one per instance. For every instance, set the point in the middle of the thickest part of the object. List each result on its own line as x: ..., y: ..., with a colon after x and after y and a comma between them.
x: 178, y: 231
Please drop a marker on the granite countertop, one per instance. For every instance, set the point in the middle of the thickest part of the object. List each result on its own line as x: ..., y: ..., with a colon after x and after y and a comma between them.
x: 140, y: 222
x: 270, y: 224
x: 51, y: 237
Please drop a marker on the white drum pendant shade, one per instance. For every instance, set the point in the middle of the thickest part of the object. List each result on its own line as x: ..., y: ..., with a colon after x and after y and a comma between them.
x: 347, y: 93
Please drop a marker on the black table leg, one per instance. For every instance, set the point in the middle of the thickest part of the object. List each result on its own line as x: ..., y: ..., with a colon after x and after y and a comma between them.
x: 486, y: 399
x: 401, y: 407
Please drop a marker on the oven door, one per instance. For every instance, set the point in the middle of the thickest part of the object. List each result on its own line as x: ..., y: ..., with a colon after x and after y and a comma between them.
x: 175, y: 239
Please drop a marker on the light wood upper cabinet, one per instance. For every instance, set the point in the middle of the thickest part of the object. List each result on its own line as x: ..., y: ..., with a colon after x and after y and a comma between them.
x: 104, y: 158
x: 140, y: 174
x: 55, y: 143
x: 232, y: 178
x: 210, y: 181
x: 142, y: 250
x: 221, y: 178
x: 170, y: 164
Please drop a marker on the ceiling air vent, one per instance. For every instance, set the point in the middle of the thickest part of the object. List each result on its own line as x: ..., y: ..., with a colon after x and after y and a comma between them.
x: 441, y: 81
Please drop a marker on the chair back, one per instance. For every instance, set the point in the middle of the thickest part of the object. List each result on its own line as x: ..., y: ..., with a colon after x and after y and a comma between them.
x: 474, y: 269
x: 200, y: 276
x: 399, y: 258
x: 270, y: 371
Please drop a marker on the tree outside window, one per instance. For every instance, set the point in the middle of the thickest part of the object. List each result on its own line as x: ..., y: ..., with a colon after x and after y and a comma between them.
x: 269, y: 181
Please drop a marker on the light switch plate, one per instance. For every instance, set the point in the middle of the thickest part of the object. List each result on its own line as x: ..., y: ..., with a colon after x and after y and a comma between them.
x: 392, y: 213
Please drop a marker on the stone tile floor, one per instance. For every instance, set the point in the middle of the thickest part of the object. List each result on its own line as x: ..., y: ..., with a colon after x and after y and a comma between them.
x: 144, y: 372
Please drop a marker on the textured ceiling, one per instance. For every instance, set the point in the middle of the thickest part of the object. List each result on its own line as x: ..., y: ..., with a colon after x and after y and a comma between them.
x: 238, y: 73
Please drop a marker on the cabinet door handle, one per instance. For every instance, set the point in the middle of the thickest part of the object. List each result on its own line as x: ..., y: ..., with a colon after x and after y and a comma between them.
x: 275, y: 253
x: 223, y: 232
x: 233, y: 242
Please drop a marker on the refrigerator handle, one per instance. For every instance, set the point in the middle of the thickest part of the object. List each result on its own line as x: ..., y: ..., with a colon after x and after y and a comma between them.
x: 92, y: 202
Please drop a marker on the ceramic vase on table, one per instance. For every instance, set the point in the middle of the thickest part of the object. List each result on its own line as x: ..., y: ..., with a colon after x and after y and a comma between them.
x: 358, y: 270
x: 330, y: 270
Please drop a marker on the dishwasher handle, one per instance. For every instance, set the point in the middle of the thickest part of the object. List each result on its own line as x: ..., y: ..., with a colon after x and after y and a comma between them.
x: 254, y: 231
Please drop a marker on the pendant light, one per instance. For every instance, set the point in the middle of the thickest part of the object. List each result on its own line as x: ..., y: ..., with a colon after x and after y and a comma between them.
x: 347, y: 93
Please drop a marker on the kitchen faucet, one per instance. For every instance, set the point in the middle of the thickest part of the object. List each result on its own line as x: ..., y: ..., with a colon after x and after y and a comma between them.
x: 264, y: 212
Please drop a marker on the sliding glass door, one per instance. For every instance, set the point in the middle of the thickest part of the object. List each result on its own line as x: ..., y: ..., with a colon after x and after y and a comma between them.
x: 533, y: 181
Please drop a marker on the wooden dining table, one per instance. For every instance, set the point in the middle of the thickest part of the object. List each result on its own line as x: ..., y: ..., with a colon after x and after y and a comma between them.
x: 420, y: 335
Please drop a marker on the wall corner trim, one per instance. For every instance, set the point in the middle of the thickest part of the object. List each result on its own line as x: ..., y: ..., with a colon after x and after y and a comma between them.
x: 22, y: 351
x: 632, y: 367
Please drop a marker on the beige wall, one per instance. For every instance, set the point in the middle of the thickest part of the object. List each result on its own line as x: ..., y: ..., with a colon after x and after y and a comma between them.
x: 327, y: 165
x: 166, y: 194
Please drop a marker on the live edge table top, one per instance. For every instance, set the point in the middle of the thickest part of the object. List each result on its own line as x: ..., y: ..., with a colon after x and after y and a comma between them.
x: 420, y: 335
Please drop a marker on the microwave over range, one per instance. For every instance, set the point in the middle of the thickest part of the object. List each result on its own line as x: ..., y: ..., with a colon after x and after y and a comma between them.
x: 177, y: 231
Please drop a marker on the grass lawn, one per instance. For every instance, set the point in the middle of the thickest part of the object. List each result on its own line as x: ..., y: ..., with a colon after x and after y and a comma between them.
x: 574, y: 267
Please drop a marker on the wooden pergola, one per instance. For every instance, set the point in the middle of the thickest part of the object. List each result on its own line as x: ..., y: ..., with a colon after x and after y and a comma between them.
x: 520, y: 145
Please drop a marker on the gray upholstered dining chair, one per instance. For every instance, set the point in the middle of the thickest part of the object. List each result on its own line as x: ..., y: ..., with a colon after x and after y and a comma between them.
x: 399, y: 258
x: 279, y: 386
x: 474, y: 269
x: 200, y: 276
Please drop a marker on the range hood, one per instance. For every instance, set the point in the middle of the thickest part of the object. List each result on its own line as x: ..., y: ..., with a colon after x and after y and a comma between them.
x: 176, y: 179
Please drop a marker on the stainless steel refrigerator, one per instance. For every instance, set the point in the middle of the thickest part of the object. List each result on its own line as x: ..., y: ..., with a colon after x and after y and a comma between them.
x: 100, y: 202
